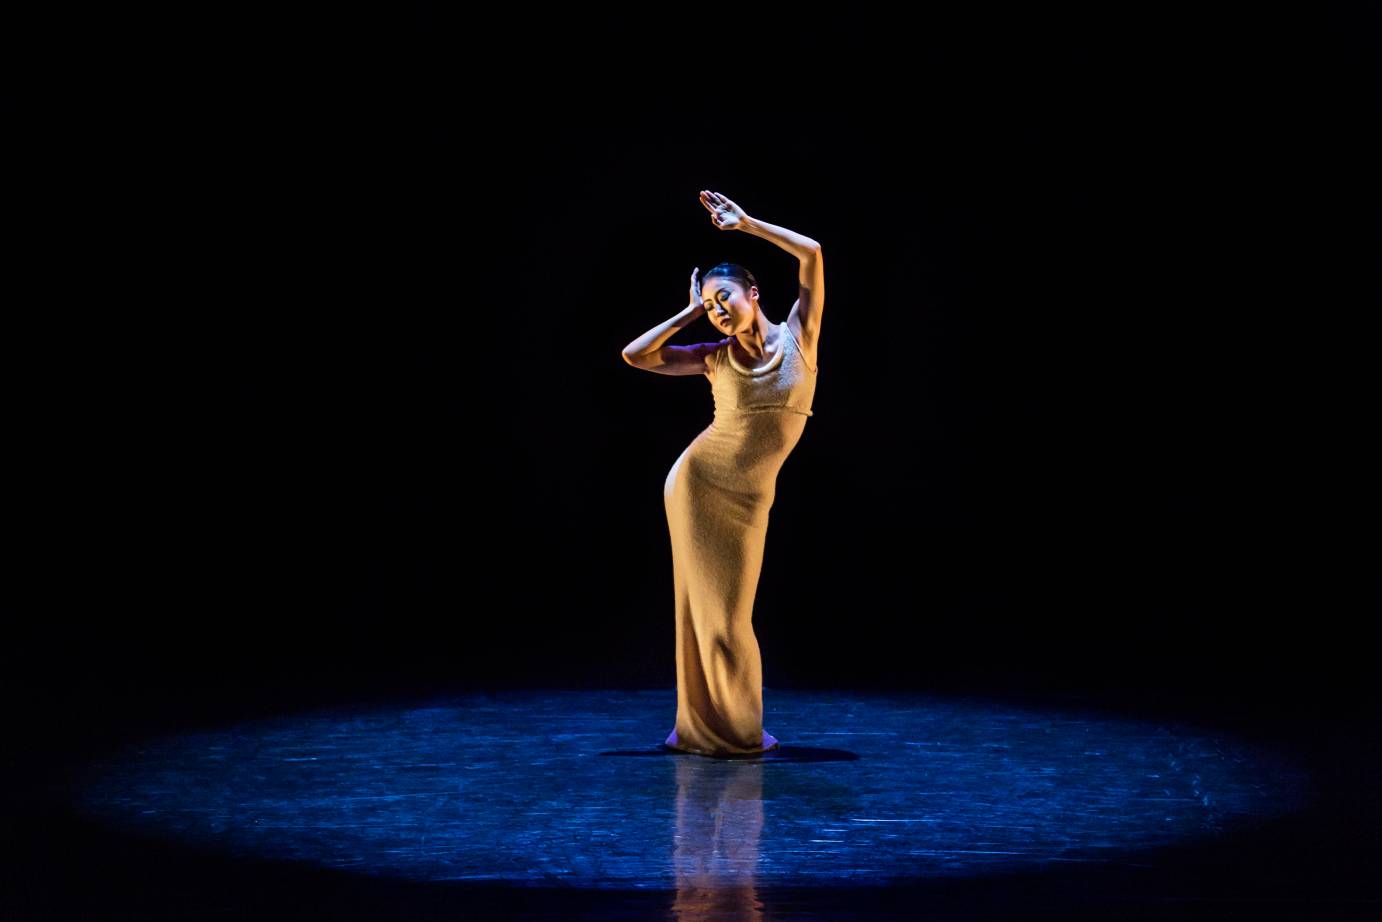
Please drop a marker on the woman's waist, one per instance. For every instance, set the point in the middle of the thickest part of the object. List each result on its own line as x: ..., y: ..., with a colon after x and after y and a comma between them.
x: 724, y: 410
x: 751, y: 437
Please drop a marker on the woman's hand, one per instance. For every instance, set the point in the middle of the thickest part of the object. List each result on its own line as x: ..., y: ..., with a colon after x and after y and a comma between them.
x: 696, y: 289
x: 725, y: 214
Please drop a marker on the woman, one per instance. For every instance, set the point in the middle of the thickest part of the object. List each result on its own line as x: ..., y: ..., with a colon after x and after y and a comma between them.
x: 718, y: 492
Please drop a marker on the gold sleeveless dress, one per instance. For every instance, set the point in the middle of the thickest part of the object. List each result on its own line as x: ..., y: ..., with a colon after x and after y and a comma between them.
x: 717, y: 495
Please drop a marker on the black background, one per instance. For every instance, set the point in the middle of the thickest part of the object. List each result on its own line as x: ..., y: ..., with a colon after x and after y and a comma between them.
x: 344, y: 415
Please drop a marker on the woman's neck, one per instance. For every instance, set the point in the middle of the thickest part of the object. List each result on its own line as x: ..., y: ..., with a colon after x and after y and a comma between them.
x: 754, y: 341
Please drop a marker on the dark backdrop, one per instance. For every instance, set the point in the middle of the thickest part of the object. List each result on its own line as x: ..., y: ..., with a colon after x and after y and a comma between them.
x: 1093, y: 407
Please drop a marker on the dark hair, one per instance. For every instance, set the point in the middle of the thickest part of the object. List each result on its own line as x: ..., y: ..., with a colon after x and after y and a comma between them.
x: 732, y: 271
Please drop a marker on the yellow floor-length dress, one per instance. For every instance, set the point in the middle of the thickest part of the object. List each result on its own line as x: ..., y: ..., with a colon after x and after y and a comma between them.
x: 717, y: 495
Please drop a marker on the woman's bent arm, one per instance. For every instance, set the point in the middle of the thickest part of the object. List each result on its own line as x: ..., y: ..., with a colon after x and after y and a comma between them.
x: 652, y: 340
x: 810, y: 277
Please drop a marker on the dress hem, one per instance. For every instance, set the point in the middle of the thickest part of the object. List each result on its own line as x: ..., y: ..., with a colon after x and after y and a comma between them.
x: 721, y: 755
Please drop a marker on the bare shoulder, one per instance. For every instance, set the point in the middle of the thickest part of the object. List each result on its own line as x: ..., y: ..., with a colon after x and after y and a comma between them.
x: 712, y: 353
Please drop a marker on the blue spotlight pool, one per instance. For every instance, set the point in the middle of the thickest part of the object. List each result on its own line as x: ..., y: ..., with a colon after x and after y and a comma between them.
x: 569, y: 788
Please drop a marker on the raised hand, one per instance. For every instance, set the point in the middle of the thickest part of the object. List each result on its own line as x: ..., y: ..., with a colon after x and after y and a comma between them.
x: 695, y: 287
x: 724, y: 213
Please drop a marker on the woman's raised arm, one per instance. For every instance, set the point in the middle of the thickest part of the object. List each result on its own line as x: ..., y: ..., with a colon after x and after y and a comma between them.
x: 806, y: 312
x: 729, y: 216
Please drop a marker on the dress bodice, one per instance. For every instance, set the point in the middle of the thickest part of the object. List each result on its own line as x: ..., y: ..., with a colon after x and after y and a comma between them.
x: 784, y: 383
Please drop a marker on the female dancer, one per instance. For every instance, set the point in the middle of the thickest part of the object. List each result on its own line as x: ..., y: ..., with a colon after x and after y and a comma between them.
x: 719, y: 491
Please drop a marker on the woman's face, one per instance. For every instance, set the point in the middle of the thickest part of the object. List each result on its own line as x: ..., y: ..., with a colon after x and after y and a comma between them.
x: 727, y: 305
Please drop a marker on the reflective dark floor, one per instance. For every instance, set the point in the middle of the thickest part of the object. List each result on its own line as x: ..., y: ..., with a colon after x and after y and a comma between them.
x: 559, y: 804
